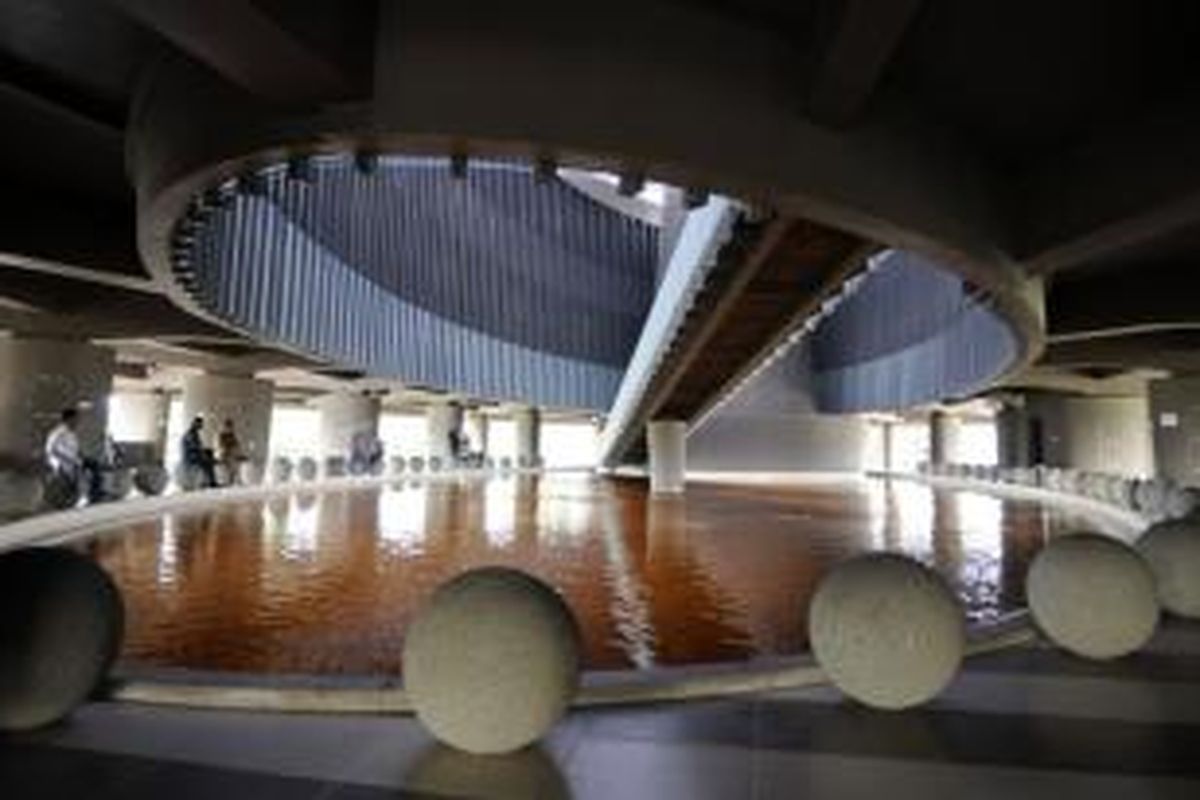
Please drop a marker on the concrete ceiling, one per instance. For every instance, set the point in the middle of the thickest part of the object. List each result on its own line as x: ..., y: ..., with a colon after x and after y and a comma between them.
x: 1083, y: 112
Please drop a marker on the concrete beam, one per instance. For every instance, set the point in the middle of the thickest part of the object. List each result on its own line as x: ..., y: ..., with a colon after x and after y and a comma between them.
x: 1152, y: 297
x: 1128, y: 186
x: 859, y: 38
x: 248, y: 47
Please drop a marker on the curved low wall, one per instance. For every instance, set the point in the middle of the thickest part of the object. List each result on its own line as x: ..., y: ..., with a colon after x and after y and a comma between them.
x: 380, y: 696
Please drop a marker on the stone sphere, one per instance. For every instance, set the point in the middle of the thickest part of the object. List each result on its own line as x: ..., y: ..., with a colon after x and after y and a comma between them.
x: 1180, y: 502
x: 251, y: 473
x: 887, y: 630
x: 506, y: 463
x: 399, y: 465
x: 1150, y: 497
x: 151, y: 479
x: 416, y: 464
x: 61, y: 630
x: 435, y: 464
x: 115, y: 484
x: 1172, y: 549
x: 188, y: 478
x: 20, y: 493
x: 492, y: 662
x: 335, y: 467
x: 307, y: 469
x: 1092, y: 595
x: 61, y: 491
x: 281, y: 470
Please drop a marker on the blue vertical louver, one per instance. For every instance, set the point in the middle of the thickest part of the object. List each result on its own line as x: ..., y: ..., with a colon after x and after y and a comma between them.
x: 492, y: 284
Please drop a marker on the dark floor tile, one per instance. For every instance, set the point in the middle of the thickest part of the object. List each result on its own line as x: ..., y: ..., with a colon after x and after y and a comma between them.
x: 723, y: 722
x: 952, y: 736
x: 30, y: 772
x: 1145, y: 667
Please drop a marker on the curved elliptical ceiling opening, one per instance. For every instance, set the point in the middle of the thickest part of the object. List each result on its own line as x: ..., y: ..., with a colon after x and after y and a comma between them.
x: 487, y: 279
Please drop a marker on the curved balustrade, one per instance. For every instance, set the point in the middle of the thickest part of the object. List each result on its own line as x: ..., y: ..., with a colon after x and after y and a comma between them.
x: 1153, y: 499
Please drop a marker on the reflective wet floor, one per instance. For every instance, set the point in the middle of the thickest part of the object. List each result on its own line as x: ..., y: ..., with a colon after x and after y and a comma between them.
x: 326, y: 584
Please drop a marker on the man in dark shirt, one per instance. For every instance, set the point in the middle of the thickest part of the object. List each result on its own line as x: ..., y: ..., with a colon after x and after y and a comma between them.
x: 196, y: 455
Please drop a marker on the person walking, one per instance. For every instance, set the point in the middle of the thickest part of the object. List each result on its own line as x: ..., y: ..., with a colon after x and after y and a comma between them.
x: 196, y: 455
x: 229, y: 452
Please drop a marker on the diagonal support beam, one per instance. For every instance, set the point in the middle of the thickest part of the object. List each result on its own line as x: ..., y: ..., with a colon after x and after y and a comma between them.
x: 248, y: 47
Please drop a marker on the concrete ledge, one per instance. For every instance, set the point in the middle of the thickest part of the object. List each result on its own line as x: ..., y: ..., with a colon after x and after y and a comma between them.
x: 63, y: 526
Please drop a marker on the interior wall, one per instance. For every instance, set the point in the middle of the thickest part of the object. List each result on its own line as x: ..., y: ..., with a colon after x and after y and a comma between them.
x: 1175, y: 424
x: 772, y: 426
x: 1101, y: 434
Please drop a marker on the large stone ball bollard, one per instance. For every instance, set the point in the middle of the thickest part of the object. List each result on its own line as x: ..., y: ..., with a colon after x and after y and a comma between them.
x: 21, y: 492
x: 151, y: 479
x: 1180, y: 502
x: 435, y: 463
x: 887, y: 630
x: 1172, y: 549
x: 251, y: 473
x: 493, y: 661
x: 1092, y: 595
x: 399, y: 465
x: 335, y: 467
x: 281, y: 470
x: 61, y: 491
x: 60, y: 632
x: 307, y: 469
x: 417, y: 464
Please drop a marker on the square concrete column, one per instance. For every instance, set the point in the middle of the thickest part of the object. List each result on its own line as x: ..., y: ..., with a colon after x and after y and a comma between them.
x: 667, y: 440
x: 441, y: 419
x: 245, y: 400
x: 529, y: 437
x: 345, y: 415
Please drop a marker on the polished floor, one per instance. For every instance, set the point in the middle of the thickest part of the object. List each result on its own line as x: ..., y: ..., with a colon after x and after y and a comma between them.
x: 325, y: 585
x: 1032, y: 724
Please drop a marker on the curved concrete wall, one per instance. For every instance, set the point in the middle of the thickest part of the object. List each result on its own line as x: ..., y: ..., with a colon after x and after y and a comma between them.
x: 912, y: 333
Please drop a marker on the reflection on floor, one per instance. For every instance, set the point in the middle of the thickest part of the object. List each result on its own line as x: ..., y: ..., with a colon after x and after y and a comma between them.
x: 326, y: 585
x: 1024, y: 724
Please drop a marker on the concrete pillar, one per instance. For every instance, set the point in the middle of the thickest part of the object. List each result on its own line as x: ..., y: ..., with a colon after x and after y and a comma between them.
x: 41, y: 377
x: 345, y: 415
x: 529, y: 437
x: 667, y: 441
x: 441, y: 419
x: 244, y: 400
x: 477, y: 429
x: 939, y: 438
x: 1012, y: 436
x: 145, y: 418
x: 888, y: 435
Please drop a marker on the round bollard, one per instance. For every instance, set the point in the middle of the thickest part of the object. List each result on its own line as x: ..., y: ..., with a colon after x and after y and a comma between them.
x: 1172, y: 549
x: 1092, y: 595
x: 435, y: 463
x: 1180, y: 502
x: 61, y: 491
x: 493, y: 661
x: 416, y: 464
x: 399, y: 465
x: 251, y: 473
x: 887, y: 630
x: 21, y: 492
x: 307, y: 469
x: 281, y: 470
x: 151, y: 479
x: 61, y: 629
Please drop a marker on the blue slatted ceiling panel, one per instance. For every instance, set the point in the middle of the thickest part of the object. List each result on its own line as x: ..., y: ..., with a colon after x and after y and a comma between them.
x: 492, y: 285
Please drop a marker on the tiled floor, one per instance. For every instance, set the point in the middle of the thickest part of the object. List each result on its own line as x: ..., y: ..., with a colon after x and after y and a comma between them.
x: 1028, y: 724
